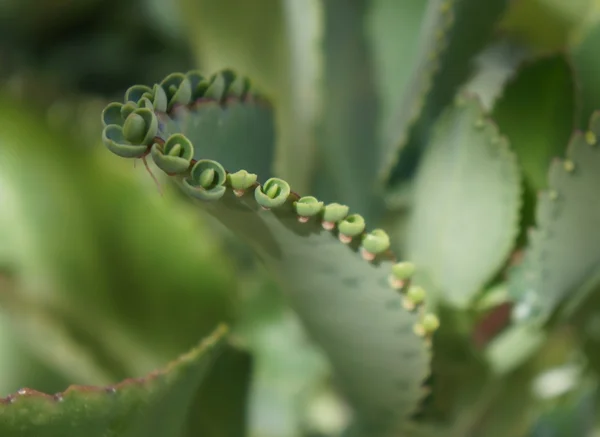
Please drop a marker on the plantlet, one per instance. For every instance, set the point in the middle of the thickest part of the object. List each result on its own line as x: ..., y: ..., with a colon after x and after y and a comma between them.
x: 442, y: 252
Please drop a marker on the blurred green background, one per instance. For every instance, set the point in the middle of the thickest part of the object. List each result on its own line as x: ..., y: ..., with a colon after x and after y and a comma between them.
x: 102, y: 277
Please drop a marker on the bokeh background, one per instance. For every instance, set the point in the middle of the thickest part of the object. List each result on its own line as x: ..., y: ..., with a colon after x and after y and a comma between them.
x: 102, y: 276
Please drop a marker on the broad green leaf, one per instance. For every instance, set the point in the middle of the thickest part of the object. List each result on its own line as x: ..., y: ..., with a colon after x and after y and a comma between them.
x: 587, y: 68
x: 467, y: 201
x: 154, y: 406
x: 564, y: 249
x: 276, y: 43
x: 348, y: 159
x: 392, y: 28
x: 343, y: 282
x: 537, y: 112
x: 454, y: 32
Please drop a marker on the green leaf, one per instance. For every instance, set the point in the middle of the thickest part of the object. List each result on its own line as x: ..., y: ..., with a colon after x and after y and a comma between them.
x: 537, y: 112
x: 454, y: 31
x: 342, y: 285
x: 154, y: 406
x: 587, y: 68
x: 348, y: 158
x: 276, y: 43
x: 564, y: 248
x: 467, y: 201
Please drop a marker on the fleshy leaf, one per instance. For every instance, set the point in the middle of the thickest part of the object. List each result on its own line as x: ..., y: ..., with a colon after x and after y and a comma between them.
x: 587, y: 67
x: 467, y: 201
x: 347, y: 143
x: 346, y: 294
x: 156, y: 405
x: 564, y: 248
x: 537, y: 112
x: 454, y: 32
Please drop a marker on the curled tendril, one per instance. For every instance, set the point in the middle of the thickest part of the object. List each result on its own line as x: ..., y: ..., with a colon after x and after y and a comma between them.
x: 131, y: 139
x: 206, y: 181
x: 144, y: 96
x: 350, y: 227
x: 374, y: 243
x: 240, y: 181
x: 175, y: 155
x: 306, y: 207
x: 273, y: 193
x: 333, y: 213
x: 178, y: 89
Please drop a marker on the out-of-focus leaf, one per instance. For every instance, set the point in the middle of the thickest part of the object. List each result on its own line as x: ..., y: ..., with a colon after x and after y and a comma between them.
x: 275, y: 42
x: 544, y: 25
x: 348, y: 158
x: 587, y: 68
x: 467, y: 202
x: 454, y: 32
x: 537, y: 113
x: 563, y: 252
x: 154, y: 406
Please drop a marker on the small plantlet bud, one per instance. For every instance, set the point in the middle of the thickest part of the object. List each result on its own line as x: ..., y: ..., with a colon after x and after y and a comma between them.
x: 569, y: 165
x: 414, y: 296
x: 374, y: 243
x: 429, y: 324
x: 175, y: 155
x: 272, y: 194
x: 333, y: 213
x: 350, y: 227
x: 241, y: 181
x: 307, y: 207
x: 206, y: 181
x: 590, y: 138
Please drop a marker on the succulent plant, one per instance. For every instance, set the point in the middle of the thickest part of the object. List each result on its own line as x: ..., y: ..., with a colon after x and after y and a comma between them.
x: 441, y: 251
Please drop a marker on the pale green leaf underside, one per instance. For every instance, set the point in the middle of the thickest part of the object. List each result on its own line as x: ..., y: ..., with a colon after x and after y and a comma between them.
x: 154, y: 406
x: 467, y: 201
x: 564, y: 249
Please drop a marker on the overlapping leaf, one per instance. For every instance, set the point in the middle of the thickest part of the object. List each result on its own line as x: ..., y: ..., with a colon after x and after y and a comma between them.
x: 467, y: 201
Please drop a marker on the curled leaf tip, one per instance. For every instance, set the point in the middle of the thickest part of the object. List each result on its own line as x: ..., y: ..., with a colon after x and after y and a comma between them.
x: 273, y: 193
x: 374, y: 243
x: 333, y: 213
x: 307, y: 207
x: 206, y: 181
x: 350, y: 227
x: 175, y: 155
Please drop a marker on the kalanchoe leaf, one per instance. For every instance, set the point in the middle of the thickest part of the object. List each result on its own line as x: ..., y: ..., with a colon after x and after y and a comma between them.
x: 352, y: 225
x: 156, y: 405
x: 140, y: 127
x: 207, y: 180
x: 136, y: 92
x: 563, y: 251
x: 217, y: 87
x: 112, y: 114
x: 177, y: 88
x: 308, y: 206
x: 114, y: 140
x: 273, y: 193
x: 175, y: 155
x: 127, y: 109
